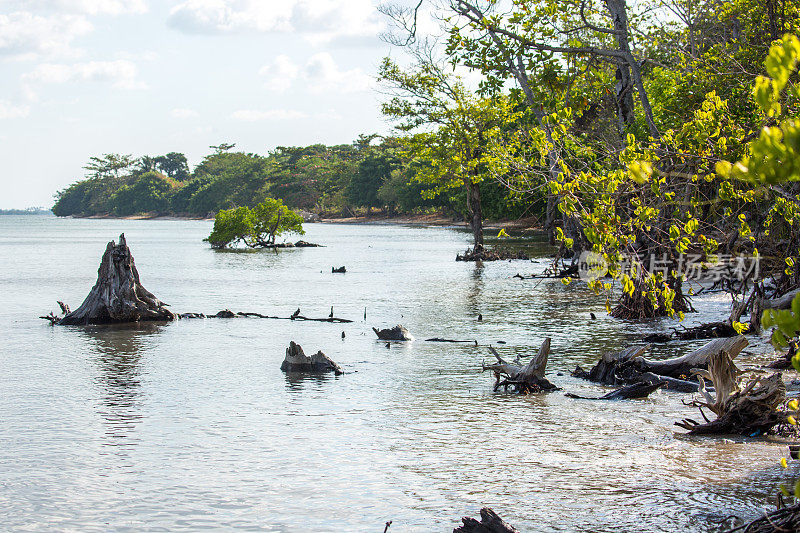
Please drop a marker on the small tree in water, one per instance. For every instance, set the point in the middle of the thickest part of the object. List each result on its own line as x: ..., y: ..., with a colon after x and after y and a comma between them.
x: 255, y: 227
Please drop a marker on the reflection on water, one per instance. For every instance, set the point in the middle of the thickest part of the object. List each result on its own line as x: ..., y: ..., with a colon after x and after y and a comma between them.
x: 117, y: 353
x: 192, y: 425
x: 298, y: 382
x: 475, y: 289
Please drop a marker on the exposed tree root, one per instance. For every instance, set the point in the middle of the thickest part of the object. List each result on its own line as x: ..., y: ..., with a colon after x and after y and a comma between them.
x: 638, y: 306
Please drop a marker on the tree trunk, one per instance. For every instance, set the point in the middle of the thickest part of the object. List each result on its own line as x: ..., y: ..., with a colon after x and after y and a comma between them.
x: 629, y: 74
x: 476, y: 217
x: 118, y: 296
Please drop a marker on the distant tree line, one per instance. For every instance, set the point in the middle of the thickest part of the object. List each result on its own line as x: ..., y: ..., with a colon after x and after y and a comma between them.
x: 334, y: 181
x: 26, y: 211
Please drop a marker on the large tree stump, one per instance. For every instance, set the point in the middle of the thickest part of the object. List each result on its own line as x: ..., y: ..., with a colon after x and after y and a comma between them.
x: 297, y: 361
x: 490, y: 523
x: 118, y: 295
x: 751, y: 411
x: 524, y: 379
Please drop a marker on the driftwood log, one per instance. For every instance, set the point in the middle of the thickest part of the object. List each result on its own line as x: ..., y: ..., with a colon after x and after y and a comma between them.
x: 118, y: 296
x: 490, y: 523
x: 439, y: 339
x: 628, y: 392
x: 397, y: 333
x: 297, y: 361
x: 750, y: 411
x: 227, y: 313
x: 525, y: 379
x: 628, y: 366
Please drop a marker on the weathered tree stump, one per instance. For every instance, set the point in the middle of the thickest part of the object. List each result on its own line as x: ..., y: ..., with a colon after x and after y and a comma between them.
x: 297, y: 361
x: 524, y: 379
x: 397, y: 333
x: 751, y: 411
x: 118, y: 295
x: 490, y: 523
x: 610, y: 365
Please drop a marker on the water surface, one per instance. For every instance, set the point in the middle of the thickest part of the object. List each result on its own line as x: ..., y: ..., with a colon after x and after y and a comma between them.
x: 191, y: 425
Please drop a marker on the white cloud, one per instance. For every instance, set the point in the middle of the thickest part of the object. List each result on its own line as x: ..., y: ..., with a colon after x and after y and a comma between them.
x: 8, y: 110
x: 320, y: 20
x: 183, y: 113
x: 25, y: 35
x: 280, y: 73
x: 85, y: 7
x: 250, y: 115
x: 322, y: 74
x: 319, y: 74
x: 121, y: 73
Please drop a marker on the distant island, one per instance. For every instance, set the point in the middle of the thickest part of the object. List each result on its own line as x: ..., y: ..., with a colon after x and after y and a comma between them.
x: 26, y: 211
x: 328, y: 181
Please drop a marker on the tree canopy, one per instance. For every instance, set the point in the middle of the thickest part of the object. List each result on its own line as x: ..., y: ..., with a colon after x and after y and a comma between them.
x: 255, y: 227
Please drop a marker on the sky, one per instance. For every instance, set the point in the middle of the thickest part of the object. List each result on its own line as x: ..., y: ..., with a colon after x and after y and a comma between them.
x: 81, y: 78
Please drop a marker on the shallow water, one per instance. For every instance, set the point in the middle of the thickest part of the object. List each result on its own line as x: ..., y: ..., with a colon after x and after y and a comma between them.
x: 191, y: 425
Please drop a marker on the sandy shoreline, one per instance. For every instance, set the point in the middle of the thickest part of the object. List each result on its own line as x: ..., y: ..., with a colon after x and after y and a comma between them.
x: 435, y: 219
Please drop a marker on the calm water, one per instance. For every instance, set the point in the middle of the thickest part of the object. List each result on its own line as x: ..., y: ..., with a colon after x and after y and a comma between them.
x: 192, y: 425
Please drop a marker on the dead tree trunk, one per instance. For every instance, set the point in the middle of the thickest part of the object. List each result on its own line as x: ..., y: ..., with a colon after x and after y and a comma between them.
x: 118, y: 295
x: 682, y: 367
x: 628, y: 365
x: 523, y: 379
